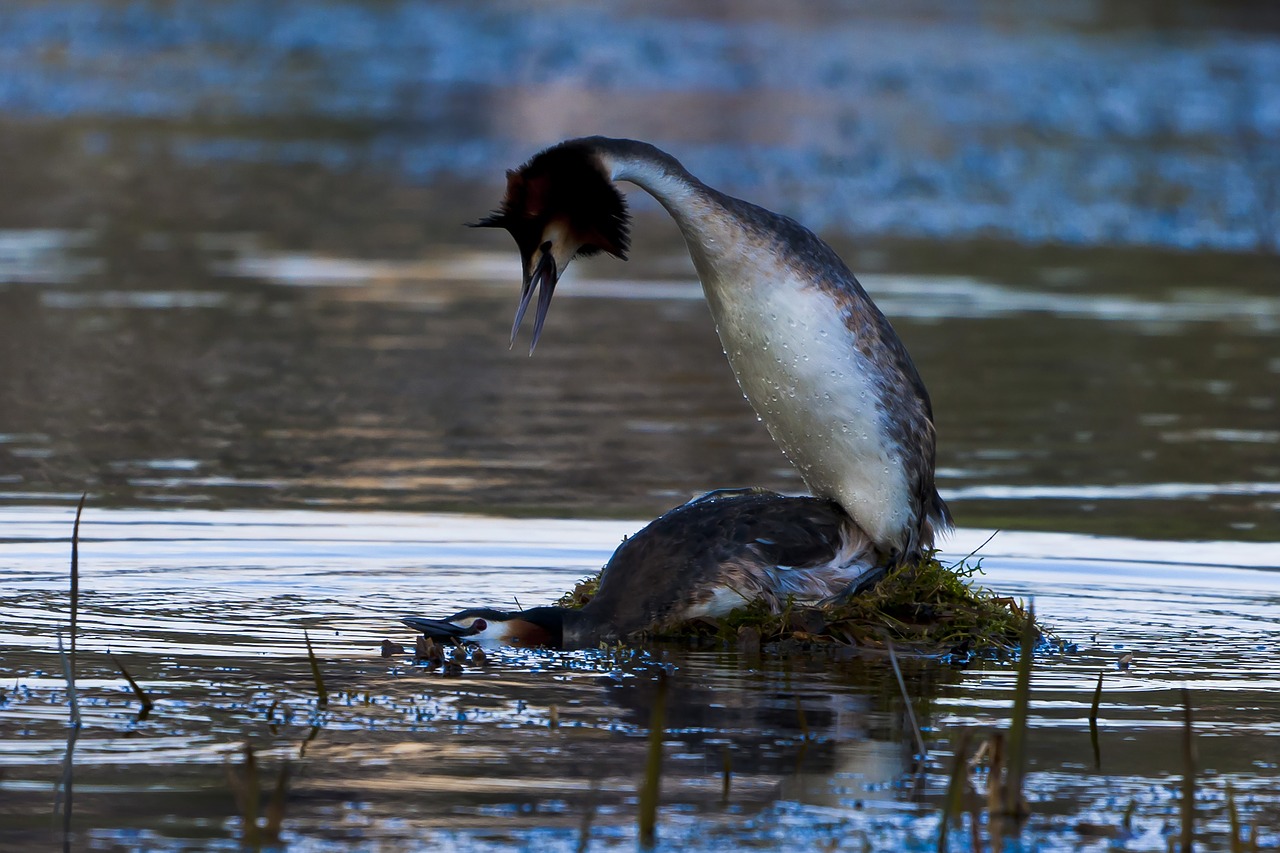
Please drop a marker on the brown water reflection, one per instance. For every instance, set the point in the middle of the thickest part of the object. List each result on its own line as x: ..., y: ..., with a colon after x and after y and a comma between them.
x: 1098, y: 392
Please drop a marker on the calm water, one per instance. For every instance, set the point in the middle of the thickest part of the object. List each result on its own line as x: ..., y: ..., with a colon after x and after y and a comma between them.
x: 237, y: 307
x: 206, y: 609
x: 1086, y: 391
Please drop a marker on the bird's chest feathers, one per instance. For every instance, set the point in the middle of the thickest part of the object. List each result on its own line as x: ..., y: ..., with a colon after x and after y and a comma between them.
x: 801, y: 368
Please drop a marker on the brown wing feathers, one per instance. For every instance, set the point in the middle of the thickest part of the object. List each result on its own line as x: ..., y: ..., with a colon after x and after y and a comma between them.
x: 680, y: 559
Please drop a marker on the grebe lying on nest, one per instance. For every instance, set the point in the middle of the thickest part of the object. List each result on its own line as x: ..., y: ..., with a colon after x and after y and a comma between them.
x: 706, y: 558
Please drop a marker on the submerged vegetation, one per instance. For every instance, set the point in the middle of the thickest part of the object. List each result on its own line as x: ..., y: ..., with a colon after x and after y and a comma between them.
x: 927, y: 607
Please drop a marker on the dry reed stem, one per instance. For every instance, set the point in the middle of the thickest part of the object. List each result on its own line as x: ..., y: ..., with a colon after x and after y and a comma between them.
x: 1188, y: 776
x: 275, y: 812
x: 245, y: 789
x: 75, y: 581
x: 906, y: 699
x: 651, y: 786
x: 147, y: 704
x: 726, y: 774
x: 1016, y: 760
x: 70, y: 676
x: 1093, y: 723
x: 322, y: 695
x: 1233, y: 814
x: 955, y: 788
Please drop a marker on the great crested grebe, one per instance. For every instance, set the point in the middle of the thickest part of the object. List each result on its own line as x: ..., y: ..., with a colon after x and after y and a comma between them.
x: 813, y: 354
x: 708, y: 557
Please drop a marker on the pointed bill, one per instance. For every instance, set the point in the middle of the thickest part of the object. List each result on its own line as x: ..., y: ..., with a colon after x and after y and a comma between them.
x: 440, y: 629
x: 543, y: 282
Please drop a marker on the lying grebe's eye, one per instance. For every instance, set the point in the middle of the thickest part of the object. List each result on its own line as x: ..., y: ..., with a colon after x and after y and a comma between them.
x: 479, y: 625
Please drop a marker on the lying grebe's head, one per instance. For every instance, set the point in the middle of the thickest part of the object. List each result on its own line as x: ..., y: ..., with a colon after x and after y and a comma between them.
x: 537, y: 626
x: 558, y: 206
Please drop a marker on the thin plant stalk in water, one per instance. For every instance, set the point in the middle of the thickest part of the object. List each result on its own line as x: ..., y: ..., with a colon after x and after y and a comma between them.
x: 66, y: 787
x: 322, y: 695
x: 246, y: 787
x: 1093, y: 722
x: 1016, y: 762
x: 147, y: 704
x: 906, y: 700
x: 69, y: 661
x: 1233, y: 814
x: 1188, y: 776
x: 651, y: 786
x: 68, y: 672
x: 726, y: 774
x: 66, y: 783
x: 75, y: 582
x: 955, y: 790
x: 588, y: 814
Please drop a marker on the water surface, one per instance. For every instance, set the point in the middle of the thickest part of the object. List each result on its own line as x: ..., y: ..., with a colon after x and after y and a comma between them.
x: 207, y: 609
x: 237, y: 307
x: 1125, y: 401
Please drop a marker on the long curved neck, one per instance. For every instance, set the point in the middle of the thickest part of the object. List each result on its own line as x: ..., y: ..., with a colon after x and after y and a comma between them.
x: 818, y: 361
x: 691, y: 203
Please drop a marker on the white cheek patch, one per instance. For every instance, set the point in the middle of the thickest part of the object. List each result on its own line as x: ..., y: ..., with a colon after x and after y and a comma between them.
x: 492, y: 633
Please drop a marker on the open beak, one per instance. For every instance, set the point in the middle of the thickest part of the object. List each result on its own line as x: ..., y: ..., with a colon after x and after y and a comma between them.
x: 543, y: 282
x: 440, y: 629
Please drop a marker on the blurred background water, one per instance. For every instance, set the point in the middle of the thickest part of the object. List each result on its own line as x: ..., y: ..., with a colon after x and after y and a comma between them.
x: 232, y: 270
x: 1074, y: 122
x: 236, y: 298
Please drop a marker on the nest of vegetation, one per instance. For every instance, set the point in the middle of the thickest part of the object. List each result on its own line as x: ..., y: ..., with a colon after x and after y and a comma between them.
x: 928, y: 608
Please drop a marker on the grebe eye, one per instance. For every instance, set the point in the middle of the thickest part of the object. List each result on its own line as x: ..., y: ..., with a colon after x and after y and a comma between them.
x: 479, y: 625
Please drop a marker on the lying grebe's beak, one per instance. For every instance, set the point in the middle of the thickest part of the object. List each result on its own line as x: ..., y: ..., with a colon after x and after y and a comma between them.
x: 537, y: 626
x: 441, y: 629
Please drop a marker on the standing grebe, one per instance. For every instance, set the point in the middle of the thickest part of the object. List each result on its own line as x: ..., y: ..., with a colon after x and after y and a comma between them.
x: 813, y: 354
x: 708, y: 557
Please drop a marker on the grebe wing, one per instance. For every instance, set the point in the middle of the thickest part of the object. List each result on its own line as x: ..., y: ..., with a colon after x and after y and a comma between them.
x: 713, y: 555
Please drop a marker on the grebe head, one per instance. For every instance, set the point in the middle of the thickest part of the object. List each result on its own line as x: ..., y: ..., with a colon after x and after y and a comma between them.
x: 537, y: 626
x: 559, y: 205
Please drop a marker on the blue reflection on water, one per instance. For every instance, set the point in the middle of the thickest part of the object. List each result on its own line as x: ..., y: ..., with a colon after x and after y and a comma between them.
x: 866, y: 123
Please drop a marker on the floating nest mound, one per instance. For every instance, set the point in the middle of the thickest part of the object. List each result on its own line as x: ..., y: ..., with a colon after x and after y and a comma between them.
x: 928, y: 608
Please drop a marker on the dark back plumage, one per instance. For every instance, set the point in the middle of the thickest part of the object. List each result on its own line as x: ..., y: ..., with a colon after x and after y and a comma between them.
x: 725, y: 546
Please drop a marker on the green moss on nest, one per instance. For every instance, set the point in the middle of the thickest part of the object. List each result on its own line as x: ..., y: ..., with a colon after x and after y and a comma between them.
x: 929, y: 607
x: 578, y: 597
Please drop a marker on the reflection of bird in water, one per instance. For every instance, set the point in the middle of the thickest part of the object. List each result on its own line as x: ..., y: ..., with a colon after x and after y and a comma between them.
x: 813, y: 354
x: 706, y: 558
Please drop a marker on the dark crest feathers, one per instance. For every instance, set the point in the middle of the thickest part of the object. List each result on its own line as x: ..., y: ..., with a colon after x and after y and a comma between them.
x: 567, y: 183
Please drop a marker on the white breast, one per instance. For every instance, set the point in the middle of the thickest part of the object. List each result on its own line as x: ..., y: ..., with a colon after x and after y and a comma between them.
x: 800, y: 367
